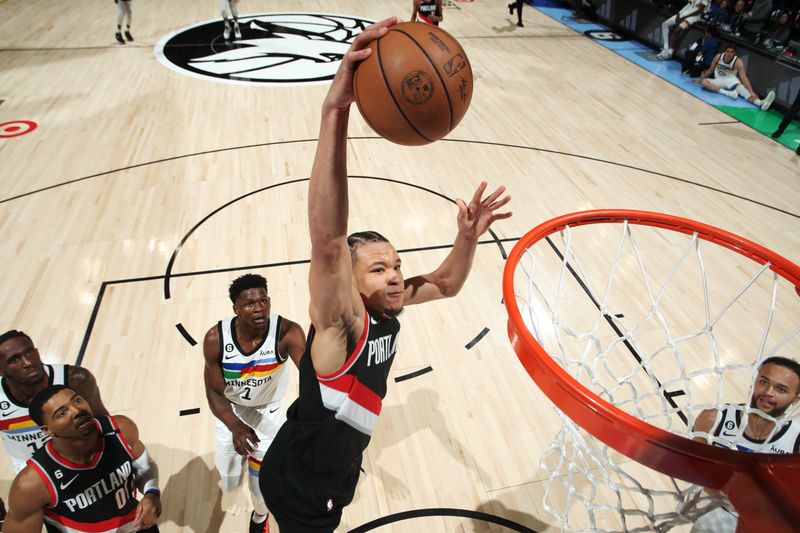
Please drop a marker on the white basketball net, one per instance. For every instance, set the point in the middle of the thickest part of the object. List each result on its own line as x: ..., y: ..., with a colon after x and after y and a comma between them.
x: 662, y: 325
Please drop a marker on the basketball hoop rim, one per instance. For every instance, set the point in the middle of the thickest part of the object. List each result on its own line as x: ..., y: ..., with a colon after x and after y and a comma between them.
x: 666, y: 452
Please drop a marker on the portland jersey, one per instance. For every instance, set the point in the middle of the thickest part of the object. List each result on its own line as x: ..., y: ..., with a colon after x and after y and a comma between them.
x: 254, y: 378
x: 729, y: 433
x: 426, y: 9
x: 96, y: 497
x: 334, y: 415
x: 21, y: 435
x: 725, y: 70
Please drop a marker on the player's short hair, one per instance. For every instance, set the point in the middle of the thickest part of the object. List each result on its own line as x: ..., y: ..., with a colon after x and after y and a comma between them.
x: 785, y: 362
x: 242, y: 283
x: 359, y: 238
x: 12, y: 334
x: 38, y: 401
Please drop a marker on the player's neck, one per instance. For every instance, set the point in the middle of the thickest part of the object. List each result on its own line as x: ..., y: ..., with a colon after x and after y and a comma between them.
x: 758, y: 427
x: 249, y: 334
x: 80, y: 451
x: 24, y: 393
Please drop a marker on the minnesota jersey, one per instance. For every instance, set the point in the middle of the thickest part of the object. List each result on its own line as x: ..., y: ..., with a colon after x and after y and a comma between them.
x: 97, y: 497
x: 21, y: 435
x: 729, y: 433
x: 725, y: 70
x: 335, y: 414
x: 252, y: 378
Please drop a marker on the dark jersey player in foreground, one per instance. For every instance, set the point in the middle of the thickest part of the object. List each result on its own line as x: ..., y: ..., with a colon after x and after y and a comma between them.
x: 310, y: 471
x: 85, y: 477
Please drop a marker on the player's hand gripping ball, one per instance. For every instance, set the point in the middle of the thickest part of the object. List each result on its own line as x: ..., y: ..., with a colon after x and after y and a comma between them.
x: 416, y: 85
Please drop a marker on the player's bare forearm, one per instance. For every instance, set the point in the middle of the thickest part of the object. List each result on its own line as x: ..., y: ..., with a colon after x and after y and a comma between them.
x: 327, y: 189
x: 221, y: 407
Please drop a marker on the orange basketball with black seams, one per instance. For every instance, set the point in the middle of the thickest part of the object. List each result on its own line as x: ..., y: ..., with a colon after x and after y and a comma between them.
x: 416, y: 85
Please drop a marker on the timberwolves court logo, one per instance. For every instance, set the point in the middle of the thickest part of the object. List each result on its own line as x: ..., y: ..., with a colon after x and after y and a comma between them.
x: 275, y: 48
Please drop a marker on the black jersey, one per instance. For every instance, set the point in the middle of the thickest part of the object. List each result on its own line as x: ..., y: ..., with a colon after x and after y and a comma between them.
x: 96, y: 497
x: 426, y: 9
x: 335, y: 414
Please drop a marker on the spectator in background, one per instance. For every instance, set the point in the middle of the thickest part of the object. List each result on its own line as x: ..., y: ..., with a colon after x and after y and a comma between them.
x: 516, y: 4
x: 672, y: 29
x: 730, y: 78
x: 701, y: 53
x: 722, y: 16
x: 736, y: 19
x: 779, y: 32
x: 755, y: 19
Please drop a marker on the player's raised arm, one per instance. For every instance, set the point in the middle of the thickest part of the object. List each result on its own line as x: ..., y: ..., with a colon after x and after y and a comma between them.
x: 474, y: 219
x: 335, y: 306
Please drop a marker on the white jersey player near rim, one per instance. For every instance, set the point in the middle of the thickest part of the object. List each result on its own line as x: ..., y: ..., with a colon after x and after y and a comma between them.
x: 776, y: 388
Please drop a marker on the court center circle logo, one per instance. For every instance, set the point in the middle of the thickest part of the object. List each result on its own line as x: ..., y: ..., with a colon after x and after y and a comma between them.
x: 275, y: 48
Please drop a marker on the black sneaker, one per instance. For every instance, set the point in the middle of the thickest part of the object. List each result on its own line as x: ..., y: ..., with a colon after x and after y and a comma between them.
x: 119, y: 38
x: 798, y: 150
x: 520, y: 25
x: 129, y: 36
x: 263, y: 527
x: 510, y: 9
x: 777, y: 133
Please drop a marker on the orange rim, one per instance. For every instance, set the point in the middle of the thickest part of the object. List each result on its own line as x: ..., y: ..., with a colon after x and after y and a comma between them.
x: 761, y: 486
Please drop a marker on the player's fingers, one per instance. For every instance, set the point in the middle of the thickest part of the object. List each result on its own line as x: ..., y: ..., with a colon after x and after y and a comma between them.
x: 495, y: 195
x: 500, y: 203
x: 476, y: 198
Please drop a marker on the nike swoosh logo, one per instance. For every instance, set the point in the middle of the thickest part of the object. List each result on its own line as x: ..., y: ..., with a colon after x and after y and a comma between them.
x: 8, y: 413
x: 273, y: 410
x: 68, y: 483
x: 231, y: 357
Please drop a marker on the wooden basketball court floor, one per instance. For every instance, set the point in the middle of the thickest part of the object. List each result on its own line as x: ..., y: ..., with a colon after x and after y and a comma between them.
x: 143, y: 193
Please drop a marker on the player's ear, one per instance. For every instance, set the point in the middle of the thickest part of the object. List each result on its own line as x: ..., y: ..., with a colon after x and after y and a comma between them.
x: 47, y: 430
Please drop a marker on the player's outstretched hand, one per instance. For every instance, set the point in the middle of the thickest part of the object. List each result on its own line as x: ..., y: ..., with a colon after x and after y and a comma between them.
x: 245, y: 439
x: 148, y: 511
x: 340, y: 95
x: 475, y: 218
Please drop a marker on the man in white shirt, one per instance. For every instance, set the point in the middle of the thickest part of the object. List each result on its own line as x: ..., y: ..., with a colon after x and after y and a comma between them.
x: 679, y: 23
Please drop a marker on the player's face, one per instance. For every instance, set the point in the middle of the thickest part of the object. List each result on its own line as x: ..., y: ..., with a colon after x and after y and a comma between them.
x: 68, y: 415
x: 20, y: 361
x: 775, y: 390
x: 252, y: 307
x: 728, y: 54
x: 378, y: 277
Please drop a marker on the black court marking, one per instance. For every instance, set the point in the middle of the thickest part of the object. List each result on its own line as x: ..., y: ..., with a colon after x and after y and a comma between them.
x: 413, y: 374
x: 619, y: 333
x: 1, y: 102
x: 477, y: 339
x: 443, y: 511
x: 484, y: 143
x: 673, y: 393
x: 90, y: 326
x: 716, y: 123
x: 185, y: 334
x: 186, y: 412
x: 620, y: 315
x: 173, y: 257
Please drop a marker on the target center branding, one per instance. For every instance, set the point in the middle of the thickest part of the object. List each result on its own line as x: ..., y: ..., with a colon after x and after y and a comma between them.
x: 275, y: 48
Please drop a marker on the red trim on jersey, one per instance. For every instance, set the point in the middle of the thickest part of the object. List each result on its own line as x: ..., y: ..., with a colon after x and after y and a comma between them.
x: 353, y: 356
x: 357, y: 392
x: 47, y: 482
x: 69, y: 464
x: 426, y: 19
x: 121, y: 437
x: 5, y: 424
x: 92, y: 527
x: 364, y: 397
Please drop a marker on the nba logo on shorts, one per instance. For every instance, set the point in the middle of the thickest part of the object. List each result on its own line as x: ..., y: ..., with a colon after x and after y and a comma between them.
x: 329, y: 505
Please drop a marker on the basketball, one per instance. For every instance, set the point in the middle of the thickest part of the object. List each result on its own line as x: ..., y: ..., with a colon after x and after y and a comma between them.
x: 416, y: 85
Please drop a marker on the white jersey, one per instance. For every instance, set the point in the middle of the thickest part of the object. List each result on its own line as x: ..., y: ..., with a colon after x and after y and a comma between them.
x: 255, y: 378
x: 729, y: 433
x: 21, y: 435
